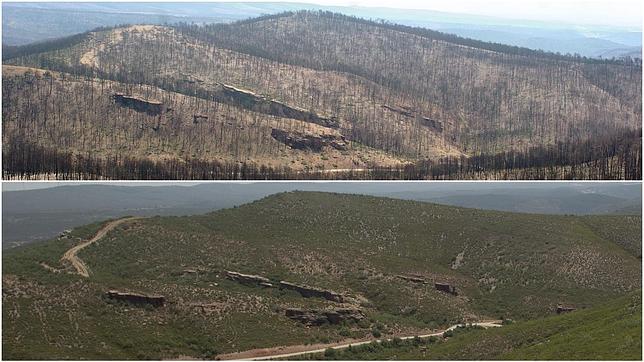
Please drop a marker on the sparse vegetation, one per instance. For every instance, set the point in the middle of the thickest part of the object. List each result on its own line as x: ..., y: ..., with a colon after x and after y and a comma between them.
x: 297, y: 95
x: 610, y: 331
x: 519, y: 266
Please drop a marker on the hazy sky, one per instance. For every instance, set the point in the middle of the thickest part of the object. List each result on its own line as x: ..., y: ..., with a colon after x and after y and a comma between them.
x: 625, y: 13
x: 602, y: 12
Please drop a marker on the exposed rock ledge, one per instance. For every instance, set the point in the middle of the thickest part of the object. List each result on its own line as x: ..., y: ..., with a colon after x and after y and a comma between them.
x: 259, y: 103
x: 413, y: 279
x: 315, y: 143
x: 248, y: 279
x: 135, y: 298
x: 446, y: 288
x: 307, y: 291
x: 564, y: 309
x: 315, y: 317
x: 139, y: 104
x: 436, y: 125
x: 304, y: 290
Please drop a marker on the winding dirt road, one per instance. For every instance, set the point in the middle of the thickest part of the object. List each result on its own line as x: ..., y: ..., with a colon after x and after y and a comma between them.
x: 70, y: 255
x: 299, y: 350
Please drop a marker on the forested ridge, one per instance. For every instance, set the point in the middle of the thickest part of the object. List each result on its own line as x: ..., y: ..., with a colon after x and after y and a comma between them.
x: 310, y: 93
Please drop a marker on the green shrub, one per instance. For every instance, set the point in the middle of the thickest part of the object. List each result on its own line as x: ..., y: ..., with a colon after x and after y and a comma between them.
x: 329, y: 353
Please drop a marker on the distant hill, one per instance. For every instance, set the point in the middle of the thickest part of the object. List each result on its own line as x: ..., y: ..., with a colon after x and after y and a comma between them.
x: 37, y: 215
x: 25, y: 23
x: 557, y: 202
x: 376, y: 259
x: 629, y: 210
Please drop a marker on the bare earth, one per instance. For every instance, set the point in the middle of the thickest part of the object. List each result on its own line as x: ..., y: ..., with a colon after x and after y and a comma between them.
x: 70, y: 255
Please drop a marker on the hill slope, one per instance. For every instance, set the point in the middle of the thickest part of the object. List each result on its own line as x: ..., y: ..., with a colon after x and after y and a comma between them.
x: 379, y: 257
x: 24, y: 23
x: 325, y: 86
x: 612, y: 331
x: 42, y: 214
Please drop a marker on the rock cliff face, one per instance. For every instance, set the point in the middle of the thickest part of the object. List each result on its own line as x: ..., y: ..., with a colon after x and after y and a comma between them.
x: 139, y: 104
x: 400, y: 110
x: 435, y: 125
x: 248, y: 279
x: 314, y: 317
x: 135, y: 298
x: 313, y: 143
x: 413, y: 279
x: 197, y: 118
x: 432, y: 123
x: 308, y: 292
x: 564, y: 309
x: 447, y: 288
x: 259, y: 103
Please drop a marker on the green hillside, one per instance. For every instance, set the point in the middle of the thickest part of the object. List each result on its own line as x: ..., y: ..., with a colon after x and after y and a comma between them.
x: 609, y: 332
x: 382, y: 255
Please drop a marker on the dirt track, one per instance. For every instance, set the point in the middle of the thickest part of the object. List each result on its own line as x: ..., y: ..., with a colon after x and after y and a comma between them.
x: 299, y: 350
x: 70, y: 255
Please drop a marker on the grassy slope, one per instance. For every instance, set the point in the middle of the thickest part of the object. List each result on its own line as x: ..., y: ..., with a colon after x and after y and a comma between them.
x: 514, y: 265
x: 619, y: 229
x: 612, y: 331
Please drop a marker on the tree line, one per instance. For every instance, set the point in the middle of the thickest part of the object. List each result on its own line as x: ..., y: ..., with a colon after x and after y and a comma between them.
x: 616, y: 158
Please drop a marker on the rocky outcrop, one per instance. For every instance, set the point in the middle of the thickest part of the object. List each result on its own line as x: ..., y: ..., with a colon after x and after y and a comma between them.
x: 259, y: 103
x: 446, y: 288
x: 304, y: 290
x: 313, y: 317
x: 309, y: 142
x: 413, y: 279
x: 432, y: 123
x: 400, y: 110
x: 135, y: 298
x: 309, y: 292
x: 66, y: 234
x: 138, y: 104
x: 248, y: 279
x: 435, y: 125
x: 564, y: 309
x: 196, y: 118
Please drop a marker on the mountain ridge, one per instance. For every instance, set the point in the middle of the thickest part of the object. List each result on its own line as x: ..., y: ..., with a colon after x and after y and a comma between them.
x: 592, y: 39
